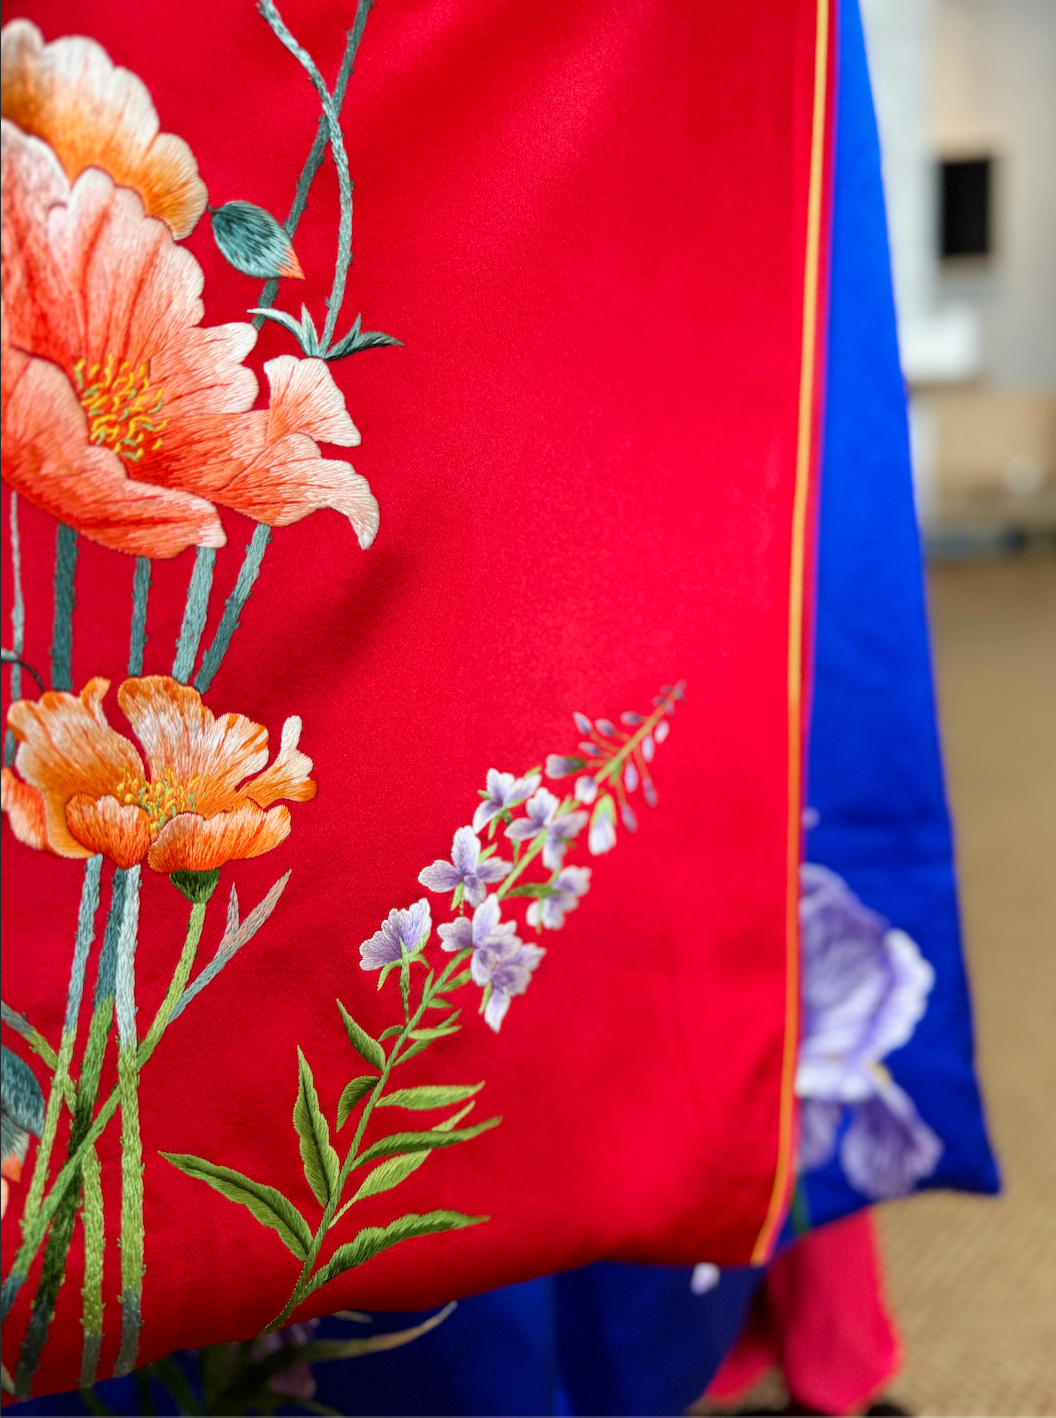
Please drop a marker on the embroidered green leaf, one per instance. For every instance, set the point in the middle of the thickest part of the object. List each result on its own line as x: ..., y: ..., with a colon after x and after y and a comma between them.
x: 392, y: 1031
x: 354, y: 1091
x: 390, y: 1174
x: 253, y: 242
x: 321, y: 1163
x: 448, y: 1026
x: 372, y: 1240
x: 269, y: 1206
x: 421, y: 1141
x: 430, y: 1096
x: 538, y: 889
x: 454, y: 1119
x: 366, y: 1047
x: 303, y: 330
x: 358, y: 339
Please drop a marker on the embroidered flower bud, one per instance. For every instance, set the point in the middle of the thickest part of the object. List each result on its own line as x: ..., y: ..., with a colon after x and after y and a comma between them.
x: 590, y: 749
x: 586, y: 789
x: 631, y: 719
x: 583, y: 724
x: 253, y: 242
x: 661, y: 731
x: 649, y: 790
x: 648, y: 748
x: 558, y: 766
x: 602, y: 835
x: 629, y: 819
x: 630, y: 776
x: 606, y: 727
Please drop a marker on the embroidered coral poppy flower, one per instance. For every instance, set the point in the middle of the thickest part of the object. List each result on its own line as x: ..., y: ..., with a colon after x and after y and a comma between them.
x: 122, y: 415
x: 93, y: 114
x: 84, y: 789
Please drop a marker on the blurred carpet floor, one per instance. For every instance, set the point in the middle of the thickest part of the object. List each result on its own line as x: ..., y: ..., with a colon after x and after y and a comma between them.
x: 973, y: 1279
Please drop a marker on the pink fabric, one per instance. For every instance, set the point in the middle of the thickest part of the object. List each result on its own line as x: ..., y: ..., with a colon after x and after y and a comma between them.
x: 822, y: 1318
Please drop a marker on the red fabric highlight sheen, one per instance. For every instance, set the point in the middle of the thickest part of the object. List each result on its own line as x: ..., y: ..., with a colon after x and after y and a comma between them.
x: 587, y: 224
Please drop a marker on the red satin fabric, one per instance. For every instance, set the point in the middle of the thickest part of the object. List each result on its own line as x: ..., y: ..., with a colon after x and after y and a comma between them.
x: 587, y: 224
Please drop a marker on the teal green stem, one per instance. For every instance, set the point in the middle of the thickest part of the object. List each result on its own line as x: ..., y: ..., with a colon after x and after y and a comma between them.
x: 18, y: 623
x: 93, y: 1224
x: 214, y: 656
x: 194, y: 613
x: 131, y: 1138
x: 34, y: 1237
x: 140, y: 593
x: 304, y: 1287
x: 65, y: 599
x: 318, y: 151
x: 61, y: 1235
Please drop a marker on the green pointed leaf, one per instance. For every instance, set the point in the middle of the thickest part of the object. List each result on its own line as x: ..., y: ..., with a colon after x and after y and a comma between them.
x: 372, y: 1240
x: 367, y: 1048
x: 254, y: 243
x: 321, y: 1163
x: 391, y: 1031
x: 447, y: 1026
x: 269, y: 1206
x: 539, y: 889
x: 390, y: 1174
x: 421, y: 1141
x: 454, y: 1120
x: 430, y: 1096
x: 354, y: 1091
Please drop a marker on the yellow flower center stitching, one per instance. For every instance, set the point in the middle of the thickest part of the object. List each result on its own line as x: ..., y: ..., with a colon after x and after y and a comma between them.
x: 121, y: 405
x: 161, y: 800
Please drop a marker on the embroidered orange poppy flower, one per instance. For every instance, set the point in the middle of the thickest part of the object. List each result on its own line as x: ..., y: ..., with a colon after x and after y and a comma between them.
x: 122, y: 415
x: 83, y: 787
x: 93, y: 114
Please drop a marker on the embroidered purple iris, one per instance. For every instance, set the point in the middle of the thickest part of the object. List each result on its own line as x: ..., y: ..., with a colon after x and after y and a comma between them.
x: 465, y: 869
x: 864, y: 989
x: 567, y: 887
x: 485, y: 935
x: 510, y: 976
x: 503, y: 791
x: 409, y: 928
x: 542, y: 816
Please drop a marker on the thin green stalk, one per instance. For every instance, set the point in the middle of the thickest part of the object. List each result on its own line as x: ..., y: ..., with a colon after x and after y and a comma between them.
x: 18, y: 623
x: 538, y: 842
x: 194, y: 613
x: 35, y: 1235
x: 214, y: 656
x: 337, y: 147
x: 65, y: 599
x: 57, y: 1249
x: 140, y: 592
x: 303, y: 1287
x: 315, y: 157
x: 131, y: 1138
x: 92, y: 1222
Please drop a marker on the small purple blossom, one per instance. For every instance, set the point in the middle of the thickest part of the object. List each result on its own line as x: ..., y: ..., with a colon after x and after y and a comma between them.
x: 631, y: 719
x: 602, y: 835
x: 629, y: 819
x: 648, y: 747
x: 465, y: 869
x: 606, y: 727
x: 650, y: 791
x: 489, y: 938
x: 543, y: 816
x: 581, y: 722
x: 559, y: 765
x: 586, y: 789
x: 661, y: 731
x: 630, y: 776
x: 568, y: 886
x: 409, y: 928
x: 504, y: 791
x: 510, y: 976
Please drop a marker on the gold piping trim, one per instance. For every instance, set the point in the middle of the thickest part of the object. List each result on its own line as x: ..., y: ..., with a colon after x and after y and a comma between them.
x: 800, y: 504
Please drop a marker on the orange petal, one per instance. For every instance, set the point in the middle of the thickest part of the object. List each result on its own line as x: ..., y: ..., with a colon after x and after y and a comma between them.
x: 25, y: 811
x: 11, y: 1167
x: 201, y: 371
x: 194, y: 843
x: 97, y: 115
x: 119, y: 831
x: 46, y: 457
x: 305, y: 399
x: 65, y: 748
x: 289, y: 480
x: 288, y: 776
x: 206, y: 755
x: 203, y: 453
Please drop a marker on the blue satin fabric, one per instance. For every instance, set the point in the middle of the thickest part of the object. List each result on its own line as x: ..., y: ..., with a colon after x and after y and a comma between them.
x: 625, y: 1339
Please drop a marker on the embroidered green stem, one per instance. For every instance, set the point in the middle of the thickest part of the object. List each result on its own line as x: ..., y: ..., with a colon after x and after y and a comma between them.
x: 612, y: 769
x: 194, y: 614
x: 140, y: 592
x: 337, y: 148
x: 61, y: 1234
x: 65, y: 599
x: 318, y: 152
x: 304, y: 1286
x: 214, y: 656
x: 537, y: 845
x: 131, y: 1139
x: 18, y: 623
x: 35, y: 1232
x: 94, y: 1245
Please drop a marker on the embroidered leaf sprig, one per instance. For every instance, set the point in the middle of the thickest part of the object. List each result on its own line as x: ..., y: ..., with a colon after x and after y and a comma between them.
x: 253, y: 242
